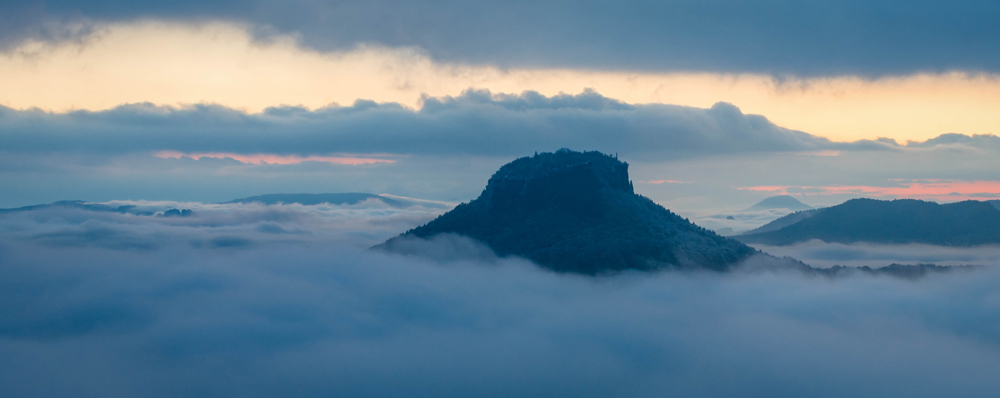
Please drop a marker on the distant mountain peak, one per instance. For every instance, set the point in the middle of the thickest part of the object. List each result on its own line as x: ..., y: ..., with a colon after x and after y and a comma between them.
x: 577, y: 212
x: 899, y: 221
x: 780, y: 202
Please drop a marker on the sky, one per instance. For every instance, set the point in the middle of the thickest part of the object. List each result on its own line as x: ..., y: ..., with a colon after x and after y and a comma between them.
x: 714, y: 104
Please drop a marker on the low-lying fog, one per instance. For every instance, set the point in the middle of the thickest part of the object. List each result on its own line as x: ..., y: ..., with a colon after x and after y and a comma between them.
x: 821, y: 254
x: 250, y: 300
x: 731, y: 223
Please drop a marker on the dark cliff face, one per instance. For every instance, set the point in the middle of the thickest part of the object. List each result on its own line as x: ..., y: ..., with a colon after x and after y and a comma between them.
x: 576, y: 212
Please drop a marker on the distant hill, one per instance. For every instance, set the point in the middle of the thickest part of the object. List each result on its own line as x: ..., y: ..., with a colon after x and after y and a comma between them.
x: 968, y: 223
x: 77, y: 204
x: 307, y: 199
x: 995, y: 203
x: 576, y: 212
x: 906, y: 271
x: 311, y: 199
x: 100, y: 208
x: 779, y: 202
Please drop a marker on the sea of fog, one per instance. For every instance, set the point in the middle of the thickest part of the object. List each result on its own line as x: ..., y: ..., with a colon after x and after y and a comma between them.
x: 262, y: 301
x: 821, y: 254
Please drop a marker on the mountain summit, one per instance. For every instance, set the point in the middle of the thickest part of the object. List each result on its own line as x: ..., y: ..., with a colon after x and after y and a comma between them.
x: 576, y: 212
x: 780, y: 202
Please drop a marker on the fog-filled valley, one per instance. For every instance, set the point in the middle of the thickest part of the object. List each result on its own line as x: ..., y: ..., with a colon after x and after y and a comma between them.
x: 822, y: 254
x: 255, y: 300
x: 440, y: 198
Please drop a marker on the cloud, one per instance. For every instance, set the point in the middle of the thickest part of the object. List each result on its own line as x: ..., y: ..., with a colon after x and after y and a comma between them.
x: 448, y: 148
x: 274, y: 159
x: 213, y: 225
x: 475, y: 123
x: 739, y: 221
x: 846, y: 37
x: 984, y: 141
x: 172, y: 62
x: 822, y: 254
x: 323, y: 316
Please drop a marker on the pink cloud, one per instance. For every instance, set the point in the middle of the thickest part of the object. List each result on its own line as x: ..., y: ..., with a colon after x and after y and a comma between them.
x: 265, y: 158
x: 935, y: 189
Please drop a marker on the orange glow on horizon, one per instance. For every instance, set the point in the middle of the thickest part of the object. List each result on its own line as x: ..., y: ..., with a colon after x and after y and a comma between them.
x: 180, y: 64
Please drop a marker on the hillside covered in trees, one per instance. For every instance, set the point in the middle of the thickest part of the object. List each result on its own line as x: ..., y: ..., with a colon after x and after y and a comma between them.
x: 968, y: 223
x: 576, y: 212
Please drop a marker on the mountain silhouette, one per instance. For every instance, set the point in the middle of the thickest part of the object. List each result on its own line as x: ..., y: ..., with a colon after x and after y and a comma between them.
x: 968, y: 223
x: 78, y: 205
x: 779, y: 202
x: 576, y: 212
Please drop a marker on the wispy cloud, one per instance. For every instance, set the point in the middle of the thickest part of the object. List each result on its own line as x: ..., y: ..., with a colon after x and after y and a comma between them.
x: 821, y: 254
x: 264, y: 158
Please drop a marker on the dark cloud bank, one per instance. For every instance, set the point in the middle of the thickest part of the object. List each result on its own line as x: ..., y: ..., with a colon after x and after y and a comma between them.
x: 248, y: 300
x: 446, y: 149
x: 841, y: 37
x: 475, y: 123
